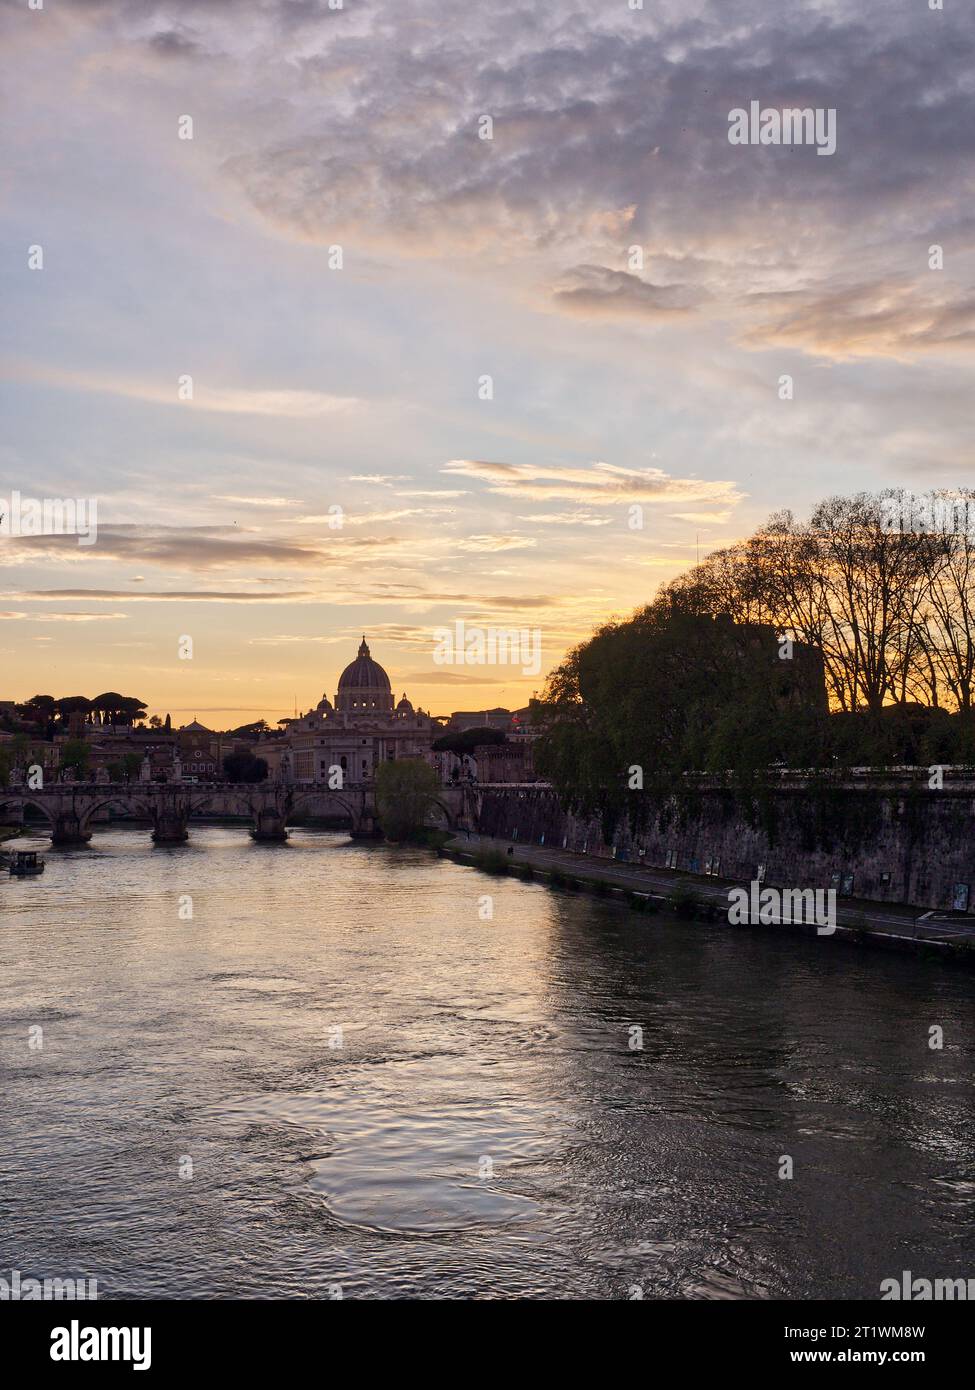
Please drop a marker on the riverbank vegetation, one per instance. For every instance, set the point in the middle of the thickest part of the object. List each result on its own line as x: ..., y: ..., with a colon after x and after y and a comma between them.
x: 845, y: 641
x: 406, y: 790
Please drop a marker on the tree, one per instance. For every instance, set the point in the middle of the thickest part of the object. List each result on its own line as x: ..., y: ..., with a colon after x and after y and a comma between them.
x: 873, y: 582
x: 105, y: 705
x: 16, y: 753
x: 888, y: 607
x: 131, y: 709
x: 406, y: 789
x: 126, y: 768
x: 39, y: 711
x: 72, y: 704
x: 667, y: 692
x: 949, y: 622
x: 244, y: 767
x: 118, y: 709
x: 76, y: 754
x: 466, y: 740
x: 875, y: 594
x: 250, y: 731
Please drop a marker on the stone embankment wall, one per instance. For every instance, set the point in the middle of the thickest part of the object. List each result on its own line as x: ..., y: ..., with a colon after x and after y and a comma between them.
x: 902, y: 842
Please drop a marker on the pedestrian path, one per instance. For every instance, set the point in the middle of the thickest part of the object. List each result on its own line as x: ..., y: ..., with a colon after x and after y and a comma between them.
x: 853, y: 914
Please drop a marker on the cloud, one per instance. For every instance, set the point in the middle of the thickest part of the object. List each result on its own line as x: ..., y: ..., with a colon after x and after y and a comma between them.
x: 378, y: 633
x: 190, y: 547
x: 380, y: 479
x: 567, y: 519
x: 62, y: 617
x: 609, y: 127
x: 298, y: 639
x: 493, y: 543
x: 227, y: 400
x: 438, y: 676
x: 161, y: 596
x: 258, y: 501
x: 433, y: 492
x: 367, y: 518
x: 594, y: 290
x: 602, y: 483
x: 882, y: 318
x: 297, y: 405
x: 174, y: 43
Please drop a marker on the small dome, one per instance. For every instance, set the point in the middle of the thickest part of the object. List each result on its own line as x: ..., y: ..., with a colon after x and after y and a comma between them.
x: 404, y: 706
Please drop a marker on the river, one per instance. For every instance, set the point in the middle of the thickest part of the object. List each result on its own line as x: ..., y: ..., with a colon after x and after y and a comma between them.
x: 342, y: 1074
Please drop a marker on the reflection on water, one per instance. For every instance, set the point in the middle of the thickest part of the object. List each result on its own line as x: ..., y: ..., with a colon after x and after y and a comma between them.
x: 372, y: 1086
x: 407, y: 1165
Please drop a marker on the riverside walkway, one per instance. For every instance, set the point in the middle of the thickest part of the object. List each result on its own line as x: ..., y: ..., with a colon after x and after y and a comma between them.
x: 888, y: 923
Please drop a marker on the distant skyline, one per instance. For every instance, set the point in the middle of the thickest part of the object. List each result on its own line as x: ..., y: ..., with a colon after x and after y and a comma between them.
x: 360, y: 388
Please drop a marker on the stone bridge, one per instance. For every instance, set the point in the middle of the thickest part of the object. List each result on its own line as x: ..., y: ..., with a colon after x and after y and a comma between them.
x: 72, y: 809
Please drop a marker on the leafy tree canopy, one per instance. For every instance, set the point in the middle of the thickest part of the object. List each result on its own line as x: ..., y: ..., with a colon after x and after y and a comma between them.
x: 405, y: 791
x: 244, y: 767
x: 467, y: 740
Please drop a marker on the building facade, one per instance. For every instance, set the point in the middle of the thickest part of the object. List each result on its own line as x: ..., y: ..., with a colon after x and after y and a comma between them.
x: 342, y: 744
x: 505, y: 762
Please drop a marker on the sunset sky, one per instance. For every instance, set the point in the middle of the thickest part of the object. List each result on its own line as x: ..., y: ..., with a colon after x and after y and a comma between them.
x: 357, y: 388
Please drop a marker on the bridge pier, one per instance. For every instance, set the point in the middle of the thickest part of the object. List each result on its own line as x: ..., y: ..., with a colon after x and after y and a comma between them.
x: 170, y: 829
x: 68, y: 830
x: 269, y: 826
x: 365, y: 828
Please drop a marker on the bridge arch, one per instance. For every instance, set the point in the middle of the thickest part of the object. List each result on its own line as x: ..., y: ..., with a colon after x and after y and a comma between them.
x: 20, y: 803
x: 232, y: 803
x: 300, y: 799
x: 447, y: 813
x: 128, y: 805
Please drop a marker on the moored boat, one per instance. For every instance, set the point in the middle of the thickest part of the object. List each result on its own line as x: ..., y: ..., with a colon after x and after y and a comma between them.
x: 25, y: 862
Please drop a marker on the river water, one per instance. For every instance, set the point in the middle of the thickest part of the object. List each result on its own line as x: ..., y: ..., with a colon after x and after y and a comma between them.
x: 341, y: 1073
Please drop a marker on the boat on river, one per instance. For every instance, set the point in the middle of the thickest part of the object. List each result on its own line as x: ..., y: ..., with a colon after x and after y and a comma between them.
x: 24, y: 862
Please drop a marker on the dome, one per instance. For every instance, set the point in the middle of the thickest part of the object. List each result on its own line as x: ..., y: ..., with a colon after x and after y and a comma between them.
x: 364, y: 686
x: 404, y: 706
x: 364, y: 673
